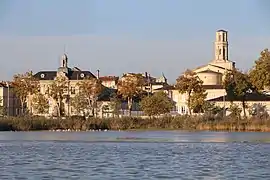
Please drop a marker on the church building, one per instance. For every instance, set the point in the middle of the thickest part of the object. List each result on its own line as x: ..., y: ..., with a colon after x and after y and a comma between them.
x: 213, y: 73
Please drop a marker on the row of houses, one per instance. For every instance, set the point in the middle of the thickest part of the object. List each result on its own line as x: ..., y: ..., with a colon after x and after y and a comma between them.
x: 212, y: 74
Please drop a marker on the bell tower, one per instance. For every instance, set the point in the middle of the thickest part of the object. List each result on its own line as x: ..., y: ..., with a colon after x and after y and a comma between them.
x: 64, y: 64
x: 221, y: 46
x: 64, y: 61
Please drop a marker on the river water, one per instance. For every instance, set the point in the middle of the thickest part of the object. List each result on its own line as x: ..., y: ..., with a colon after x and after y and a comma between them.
x: 134, y: 155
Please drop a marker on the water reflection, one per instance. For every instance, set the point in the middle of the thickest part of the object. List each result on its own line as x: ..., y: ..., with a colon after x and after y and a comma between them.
x: 138, y: 136
x: 134, y: 155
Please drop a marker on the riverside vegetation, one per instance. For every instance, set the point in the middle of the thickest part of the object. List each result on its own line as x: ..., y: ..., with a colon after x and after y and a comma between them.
x: 204, y: 122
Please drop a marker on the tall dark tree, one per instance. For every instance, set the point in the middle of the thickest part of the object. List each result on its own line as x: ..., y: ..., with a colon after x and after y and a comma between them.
x: 237, y: 85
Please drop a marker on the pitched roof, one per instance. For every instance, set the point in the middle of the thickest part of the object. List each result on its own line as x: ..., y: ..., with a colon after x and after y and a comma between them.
x: 210, y: 71
x: 109, y: 78
x: 4, y: 84
x: 249, y: 97
x: 213, y: 87
x: 168, y: 87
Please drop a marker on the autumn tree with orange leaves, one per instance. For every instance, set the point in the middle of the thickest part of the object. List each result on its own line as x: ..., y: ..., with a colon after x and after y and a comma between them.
x: 190, y: 84
x: 25, y: 85
x: 89, y: 89
x: 57, y: 91
x: 129, y: 87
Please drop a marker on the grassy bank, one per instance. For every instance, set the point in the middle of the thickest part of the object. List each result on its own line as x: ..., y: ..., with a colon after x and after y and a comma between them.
x: 136, y: 123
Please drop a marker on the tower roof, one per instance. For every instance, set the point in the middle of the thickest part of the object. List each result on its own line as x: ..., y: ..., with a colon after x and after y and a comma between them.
x: 221, y: 30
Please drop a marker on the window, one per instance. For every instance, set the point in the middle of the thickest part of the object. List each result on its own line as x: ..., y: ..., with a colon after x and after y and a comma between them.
x: 219, y: 51
x: 219, y: 38
x: 72, y: 90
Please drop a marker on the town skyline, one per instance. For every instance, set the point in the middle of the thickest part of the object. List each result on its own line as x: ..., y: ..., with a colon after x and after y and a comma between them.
x: 135, y: 43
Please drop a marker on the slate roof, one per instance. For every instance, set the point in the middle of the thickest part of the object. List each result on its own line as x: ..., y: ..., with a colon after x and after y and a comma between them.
x: 249, y: 97
x: 213, y: 87
x: 72, y: 75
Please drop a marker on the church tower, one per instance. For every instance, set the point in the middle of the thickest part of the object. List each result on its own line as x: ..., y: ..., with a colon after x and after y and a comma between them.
x: 64, y: 61
x: 221, y: 46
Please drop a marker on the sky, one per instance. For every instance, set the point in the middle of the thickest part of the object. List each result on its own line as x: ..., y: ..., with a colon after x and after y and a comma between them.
x: 119, y: 36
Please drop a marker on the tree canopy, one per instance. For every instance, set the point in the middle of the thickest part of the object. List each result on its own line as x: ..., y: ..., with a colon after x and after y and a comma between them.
x: 157, y: 104
x: 40, y: 103
x: 90, y: 89
x: 190, y: 84
x: 25, y: 85
x: 237, y: 85
x: 129, y: 87
x: 57, y: 92
x: 260, y: 73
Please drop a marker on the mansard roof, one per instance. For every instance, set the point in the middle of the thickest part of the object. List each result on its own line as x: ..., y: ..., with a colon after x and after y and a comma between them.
x: 72, y: 75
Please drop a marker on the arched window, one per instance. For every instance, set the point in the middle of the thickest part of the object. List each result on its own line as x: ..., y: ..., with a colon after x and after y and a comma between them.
x: 219, y: 37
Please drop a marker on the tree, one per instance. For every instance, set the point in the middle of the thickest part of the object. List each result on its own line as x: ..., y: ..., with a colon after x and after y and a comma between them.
x: 25, y: 85
x: 91, y: 88
x: 80, y: 104
x: 235, y: 111
x: 190, y: 84
x: 197, y: 101
x: 259, y: 110
x: 157, y: 104
x: 40, y: 103
x: 209, y: 108
x: 115, y: 104
x: 129, y: 87
x: 237, y: 85
x: 260, y: 73
x: 57, y: 91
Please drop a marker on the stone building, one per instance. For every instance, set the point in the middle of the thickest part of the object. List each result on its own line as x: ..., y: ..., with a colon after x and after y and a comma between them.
x: 109, y: 81
x: 9, y: 103
x: 72, y: 76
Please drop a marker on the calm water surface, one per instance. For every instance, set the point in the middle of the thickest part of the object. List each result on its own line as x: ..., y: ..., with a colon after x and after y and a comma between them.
x: 134, y: 155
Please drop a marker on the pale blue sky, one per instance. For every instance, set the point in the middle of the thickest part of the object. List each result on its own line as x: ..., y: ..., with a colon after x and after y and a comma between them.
x: 118, y: 36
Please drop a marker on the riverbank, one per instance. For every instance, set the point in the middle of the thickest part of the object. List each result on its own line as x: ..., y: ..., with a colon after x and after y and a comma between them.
x: 196, y: 123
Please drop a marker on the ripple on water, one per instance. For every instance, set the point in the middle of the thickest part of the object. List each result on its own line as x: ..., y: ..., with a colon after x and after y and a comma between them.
x: 50, y: 159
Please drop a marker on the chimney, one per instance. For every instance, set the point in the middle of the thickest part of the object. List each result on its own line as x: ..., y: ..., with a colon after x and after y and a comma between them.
x: 97, y: 74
